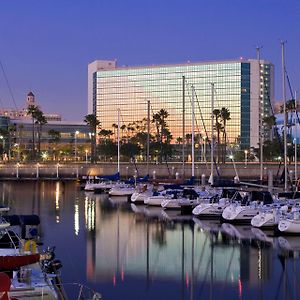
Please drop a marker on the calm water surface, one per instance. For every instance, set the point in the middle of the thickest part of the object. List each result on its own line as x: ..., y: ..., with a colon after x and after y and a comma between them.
x: 131, y: 252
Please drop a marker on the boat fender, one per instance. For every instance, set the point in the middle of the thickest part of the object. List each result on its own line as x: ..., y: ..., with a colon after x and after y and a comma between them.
x: 30, y: 246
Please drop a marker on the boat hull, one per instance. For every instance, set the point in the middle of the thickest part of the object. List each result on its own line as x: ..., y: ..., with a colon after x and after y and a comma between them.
x: 288, y: 226
x: 11, y: 262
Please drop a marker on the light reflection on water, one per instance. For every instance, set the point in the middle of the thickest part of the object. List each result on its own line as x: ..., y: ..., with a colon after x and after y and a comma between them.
x: 134, y: 252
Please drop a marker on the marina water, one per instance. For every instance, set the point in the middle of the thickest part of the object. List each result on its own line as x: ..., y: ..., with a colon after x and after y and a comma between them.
x: 127, y: 251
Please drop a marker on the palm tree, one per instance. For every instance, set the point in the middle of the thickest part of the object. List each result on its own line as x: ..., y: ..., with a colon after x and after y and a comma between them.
x: 4, y: 133
x: 179, y: 140
x: 225, y: 116
x: 288, y: 114
x: 54, y: 138
x: 20, y: 128
x: 93, y: 123
x: 106, y: 134
x: 160, y: 121
x: 269, y: 122
x: 12, y: 128
x: 123, y: 127
x: 218, y: 127
x: 40, y: 121
x: 115, y: 126
x: 31, y: 111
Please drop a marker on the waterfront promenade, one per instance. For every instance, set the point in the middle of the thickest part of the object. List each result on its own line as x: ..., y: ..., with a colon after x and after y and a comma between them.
x: 73, y: 171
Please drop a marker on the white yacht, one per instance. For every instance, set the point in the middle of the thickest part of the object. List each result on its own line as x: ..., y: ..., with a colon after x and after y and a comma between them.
x: 184, y: 199
x: 290, y: 224
x: 121, y: 190
x: 269, y: 216
x: 158, y: 197
x: 141, y: 193
x: 216, y: 206
x: 249, y: 207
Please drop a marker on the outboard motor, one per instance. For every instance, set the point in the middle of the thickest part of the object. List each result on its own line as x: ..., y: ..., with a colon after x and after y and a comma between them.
x: 50, y: 264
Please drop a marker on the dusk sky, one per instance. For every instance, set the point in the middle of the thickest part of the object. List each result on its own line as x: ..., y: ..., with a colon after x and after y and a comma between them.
x: 46, y: 45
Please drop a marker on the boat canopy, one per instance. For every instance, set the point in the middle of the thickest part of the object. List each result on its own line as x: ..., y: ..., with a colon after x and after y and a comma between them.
x: 113, y: 177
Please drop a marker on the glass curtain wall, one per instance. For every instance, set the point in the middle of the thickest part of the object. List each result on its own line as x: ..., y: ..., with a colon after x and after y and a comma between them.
x: 129, y: 89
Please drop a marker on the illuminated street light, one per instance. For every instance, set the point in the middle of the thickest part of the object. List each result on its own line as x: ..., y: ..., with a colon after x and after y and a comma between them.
x: 86, y: 156
x: 76, y: 132
x: 246, y: 157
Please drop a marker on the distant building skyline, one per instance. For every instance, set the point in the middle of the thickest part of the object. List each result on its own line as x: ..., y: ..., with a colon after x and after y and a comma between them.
x: 244, y: 87
x: 21, y: 114
x: 46, y: 45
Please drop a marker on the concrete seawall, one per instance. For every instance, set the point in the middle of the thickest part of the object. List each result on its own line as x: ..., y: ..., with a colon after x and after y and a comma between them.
x: 73, y: 171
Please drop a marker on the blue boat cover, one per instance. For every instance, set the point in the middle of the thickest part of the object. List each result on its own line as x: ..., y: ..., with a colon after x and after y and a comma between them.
x: 113, y: 177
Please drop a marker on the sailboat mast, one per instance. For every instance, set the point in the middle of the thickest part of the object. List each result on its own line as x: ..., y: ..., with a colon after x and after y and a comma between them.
x: 193, y: 131
x: 261, y: 115
x: 285, y: 115
x: 212, y: 135
x: 148, y: 135
x: 183, y: 126
x: 295, y: 139
x: 118, y: 140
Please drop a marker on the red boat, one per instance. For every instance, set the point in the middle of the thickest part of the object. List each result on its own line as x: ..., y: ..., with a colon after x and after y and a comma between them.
x: 12, y: 262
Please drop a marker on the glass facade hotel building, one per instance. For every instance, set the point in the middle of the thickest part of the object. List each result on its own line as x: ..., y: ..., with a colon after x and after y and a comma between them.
x: 245, y: 87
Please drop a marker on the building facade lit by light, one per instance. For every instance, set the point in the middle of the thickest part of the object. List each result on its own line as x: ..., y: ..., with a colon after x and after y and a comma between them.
x: 243, y: 86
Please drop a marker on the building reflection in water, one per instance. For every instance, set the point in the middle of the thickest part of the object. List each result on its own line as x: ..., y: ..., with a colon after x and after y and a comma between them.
x: 125, y: 243
x: 89, y: 213
x: 76, y: 218
x: 57, y: 202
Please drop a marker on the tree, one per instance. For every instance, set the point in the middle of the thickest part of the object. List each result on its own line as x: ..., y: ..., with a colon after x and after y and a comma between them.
x: 115, y: 128
x: 225, y: 116
x: 12, y: 128
x: 4, y: 136
x: 179, y: 140
x: 20, y: 132
x: 268, y: 123
x: 32, y: 111
x: 40, y: 121
x: 163, y: 134
x: 105, y: 134
x: 107, y: 148
x: 54, y: 139
x: 93, y: 123
x: 130, y: 150
x: 219, y: 128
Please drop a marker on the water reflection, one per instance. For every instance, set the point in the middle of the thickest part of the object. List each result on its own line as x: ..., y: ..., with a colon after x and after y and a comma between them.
x: 158, y: 245
x: 151, y: 253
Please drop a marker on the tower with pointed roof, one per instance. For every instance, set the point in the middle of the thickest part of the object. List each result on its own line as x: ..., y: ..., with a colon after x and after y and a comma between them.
x: 30, y: 99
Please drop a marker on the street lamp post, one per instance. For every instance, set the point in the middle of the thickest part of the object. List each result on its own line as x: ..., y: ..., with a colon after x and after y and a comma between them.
x: 86, y: 156
x: 3, y: 144
x: 37, y: 170
x: 76, y: 132
x: 17, y: 170
x: 246, y: 157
